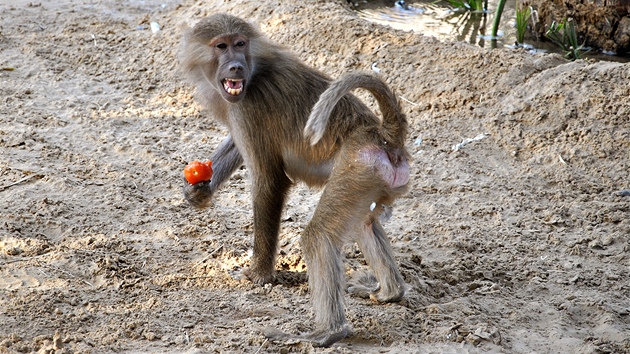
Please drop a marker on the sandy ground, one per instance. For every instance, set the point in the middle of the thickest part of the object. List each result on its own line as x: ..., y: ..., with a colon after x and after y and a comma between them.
x: 517, y: 242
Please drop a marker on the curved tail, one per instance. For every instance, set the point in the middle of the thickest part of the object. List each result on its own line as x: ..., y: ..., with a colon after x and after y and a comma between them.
x: 394, y: 122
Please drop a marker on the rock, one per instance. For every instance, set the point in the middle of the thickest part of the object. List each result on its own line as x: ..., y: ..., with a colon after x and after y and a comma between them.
x: 622, y: 35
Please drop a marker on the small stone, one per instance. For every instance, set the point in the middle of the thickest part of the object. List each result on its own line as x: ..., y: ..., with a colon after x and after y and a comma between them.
x: 57, y: 342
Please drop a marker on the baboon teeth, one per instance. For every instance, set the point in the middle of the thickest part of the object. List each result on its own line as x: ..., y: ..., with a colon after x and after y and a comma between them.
x: 233, y: 86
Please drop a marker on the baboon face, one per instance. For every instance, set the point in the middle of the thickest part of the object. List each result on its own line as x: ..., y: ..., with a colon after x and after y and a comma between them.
x: 231, y: 66
x: 218, y: 55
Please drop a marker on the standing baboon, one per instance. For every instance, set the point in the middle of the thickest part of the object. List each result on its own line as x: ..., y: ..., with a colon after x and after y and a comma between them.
x: 288, y: 123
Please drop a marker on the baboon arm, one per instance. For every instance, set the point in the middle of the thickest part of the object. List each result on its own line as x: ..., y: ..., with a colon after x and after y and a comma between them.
x: 225, y: 160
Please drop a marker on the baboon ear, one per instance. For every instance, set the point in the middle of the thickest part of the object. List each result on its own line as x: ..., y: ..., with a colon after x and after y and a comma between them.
x: 183, y: 27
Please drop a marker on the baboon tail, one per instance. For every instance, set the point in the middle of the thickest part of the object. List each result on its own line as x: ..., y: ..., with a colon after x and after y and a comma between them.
x: 394, y: 121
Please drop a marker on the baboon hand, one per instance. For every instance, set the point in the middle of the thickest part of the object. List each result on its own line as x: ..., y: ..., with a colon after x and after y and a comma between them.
x: 198, y: 195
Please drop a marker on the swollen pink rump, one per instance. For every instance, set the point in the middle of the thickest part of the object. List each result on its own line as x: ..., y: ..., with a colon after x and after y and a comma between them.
x: 395, y: 176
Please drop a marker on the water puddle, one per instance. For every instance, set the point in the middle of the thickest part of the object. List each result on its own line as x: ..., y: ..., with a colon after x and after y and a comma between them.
x: 439, y: 19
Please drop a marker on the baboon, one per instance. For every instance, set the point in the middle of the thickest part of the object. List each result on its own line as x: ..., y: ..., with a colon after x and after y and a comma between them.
x: 288, y: 122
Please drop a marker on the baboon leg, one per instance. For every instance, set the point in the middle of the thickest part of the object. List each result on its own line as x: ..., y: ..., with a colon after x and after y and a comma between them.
x: 326, y: 283
x: 389, y: 285
x: 322, y: 252
x: 343, y: 206
x: 269, y: 193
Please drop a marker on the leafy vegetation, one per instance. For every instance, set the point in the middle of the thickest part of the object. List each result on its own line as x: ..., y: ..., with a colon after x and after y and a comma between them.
x: 564, y: 35
x: 522, y: 17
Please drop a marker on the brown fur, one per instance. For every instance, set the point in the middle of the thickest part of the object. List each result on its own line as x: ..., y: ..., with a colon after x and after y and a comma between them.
x: 287, y: 123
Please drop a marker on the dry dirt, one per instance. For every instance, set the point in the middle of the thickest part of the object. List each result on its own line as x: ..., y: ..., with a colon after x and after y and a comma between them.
x: 517, y: 242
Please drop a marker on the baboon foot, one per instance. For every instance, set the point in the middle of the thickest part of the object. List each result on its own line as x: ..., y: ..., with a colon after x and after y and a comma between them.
x: 366, y: 286
x: 318, y: 338
x: 393, y: 295
x: 258, y: 277
x: 326, y: 338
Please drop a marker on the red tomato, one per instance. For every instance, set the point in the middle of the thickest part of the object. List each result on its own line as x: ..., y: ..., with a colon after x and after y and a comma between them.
x: 197, y: 171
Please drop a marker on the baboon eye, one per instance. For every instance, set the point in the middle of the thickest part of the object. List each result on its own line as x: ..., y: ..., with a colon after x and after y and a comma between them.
x: 240, y: 43
x: 221, y: 45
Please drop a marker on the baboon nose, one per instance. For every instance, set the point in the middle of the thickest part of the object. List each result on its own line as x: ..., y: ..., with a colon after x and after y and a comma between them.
x: 236, y: 68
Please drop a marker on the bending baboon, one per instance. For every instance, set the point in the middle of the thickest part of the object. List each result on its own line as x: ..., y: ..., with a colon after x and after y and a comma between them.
x: 288, y: 122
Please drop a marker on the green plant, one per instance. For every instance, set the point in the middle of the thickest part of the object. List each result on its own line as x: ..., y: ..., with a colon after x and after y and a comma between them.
x: 564, y: 35
x: 497, y: 18
x: 522, y: 17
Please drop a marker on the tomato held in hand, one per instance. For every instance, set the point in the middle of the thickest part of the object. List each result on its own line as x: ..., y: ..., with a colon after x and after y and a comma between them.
x: 197, y: 171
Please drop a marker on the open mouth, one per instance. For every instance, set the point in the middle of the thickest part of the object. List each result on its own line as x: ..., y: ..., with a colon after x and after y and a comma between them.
x: 233, y: 87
